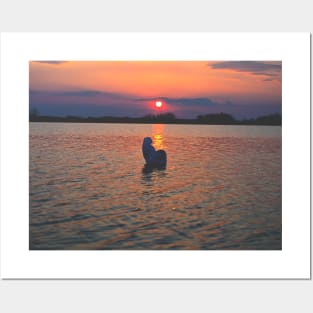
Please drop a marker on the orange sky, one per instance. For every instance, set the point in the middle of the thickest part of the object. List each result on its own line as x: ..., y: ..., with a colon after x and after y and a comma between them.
x: 241, y: 83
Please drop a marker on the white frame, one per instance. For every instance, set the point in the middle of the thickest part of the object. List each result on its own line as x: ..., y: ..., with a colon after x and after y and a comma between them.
x: 17, y: 261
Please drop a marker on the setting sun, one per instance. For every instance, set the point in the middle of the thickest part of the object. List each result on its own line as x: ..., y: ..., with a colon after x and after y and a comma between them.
x: 158, y: 104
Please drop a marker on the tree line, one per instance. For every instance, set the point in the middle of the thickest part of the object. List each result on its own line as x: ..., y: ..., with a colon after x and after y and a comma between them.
x: 168, y: 118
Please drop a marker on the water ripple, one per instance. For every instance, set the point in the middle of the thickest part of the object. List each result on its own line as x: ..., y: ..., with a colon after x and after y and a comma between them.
x: 221, y: 188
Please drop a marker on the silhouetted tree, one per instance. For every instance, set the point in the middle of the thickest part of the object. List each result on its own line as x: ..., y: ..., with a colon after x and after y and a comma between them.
x: 216, y: 118
x: 213, y: 119
x: 164, y: 117
x: 273, y: 119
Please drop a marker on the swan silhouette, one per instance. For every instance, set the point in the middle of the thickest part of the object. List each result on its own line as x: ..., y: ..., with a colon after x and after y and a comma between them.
x: 154, y: 158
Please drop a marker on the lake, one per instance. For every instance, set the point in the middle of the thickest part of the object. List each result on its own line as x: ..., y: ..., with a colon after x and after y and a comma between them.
x: 221, y: 189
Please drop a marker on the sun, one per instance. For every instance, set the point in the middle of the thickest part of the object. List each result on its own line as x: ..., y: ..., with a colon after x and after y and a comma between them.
x: 158, y: 104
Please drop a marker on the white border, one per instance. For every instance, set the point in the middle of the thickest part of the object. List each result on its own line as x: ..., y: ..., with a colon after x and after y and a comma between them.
x: 18, y: 262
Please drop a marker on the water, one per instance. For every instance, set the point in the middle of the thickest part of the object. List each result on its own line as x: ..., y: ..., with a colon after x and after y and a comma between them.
x: 221, y: 188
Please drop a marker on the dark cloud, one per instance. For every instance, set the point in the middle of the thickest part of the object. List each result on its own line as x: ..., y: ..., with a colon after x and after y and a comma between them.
x: 50, y: 62
x: 200, y: 102
x: 79, y: 93
x: 191, y: 107
x: 86, y: 109
x: 267, y: 74
x: 84, y: 103
x: 254, y: 67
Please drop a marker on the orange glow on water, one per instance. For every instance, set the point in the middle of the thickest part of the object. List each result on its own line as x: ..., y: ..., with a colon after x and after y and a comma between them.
x: 158, y: 135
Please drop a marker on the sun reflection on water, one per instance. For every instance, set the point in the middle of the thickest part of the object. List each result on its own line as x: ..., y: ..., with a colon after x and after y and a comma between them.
x: 158, y: 136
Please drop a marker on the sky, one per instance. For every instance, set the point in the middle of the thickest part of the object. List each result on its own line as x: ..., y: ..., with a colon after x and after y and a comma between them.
x: 244, y: 89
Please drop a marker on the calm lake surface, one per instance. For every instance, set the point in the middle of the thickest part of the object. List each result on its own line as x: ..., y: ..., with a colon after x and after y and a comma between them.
x: 221, y: 188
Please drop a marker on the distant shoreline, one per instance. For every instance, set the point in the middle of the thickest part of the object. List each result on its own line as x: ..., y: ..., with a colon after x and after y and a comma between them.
x: 129, y: 120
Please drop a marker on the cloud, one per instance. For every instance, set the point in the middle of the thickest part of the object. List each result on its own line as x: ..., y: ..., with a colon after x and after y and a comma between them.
x: 84, y: 100
x: 79, y: 93
x: 51, y: 62
x: 267, y: 74
x: 272, y: 69
x: 200, y: 102
x: 86, y: 109
x: 191, y: 107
